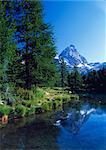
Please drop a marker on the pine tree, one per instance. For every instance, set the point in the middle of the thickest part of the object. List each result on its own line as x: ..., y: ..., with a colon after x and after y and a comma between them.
x: 7, y: 44
x: 92, y: 80
x: 37, y: 48
x: 63, y: 72
x: 96, y: 81
x: 75, y: 80
x: 101, y: 84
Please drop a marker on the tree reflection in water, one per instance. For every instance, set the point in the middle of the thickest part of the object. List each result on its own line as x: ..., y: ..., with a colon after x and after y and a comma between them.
x: 75, y: 127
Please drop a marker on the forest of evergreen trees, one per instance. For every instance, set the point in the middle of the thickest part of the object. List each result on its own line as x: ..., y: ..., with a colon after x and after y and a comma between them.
x: 27, y: 51
x: 94, y: 81
x: 27, y: 47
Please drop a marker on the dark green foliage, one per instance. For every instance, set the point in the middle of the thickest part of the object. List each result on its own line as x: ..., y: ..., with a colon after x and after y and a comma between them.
x: 27, y: 50
x: 92, y: 80
x: 75, y: 81
x: 38, y: 50
x: 7, y: 44
x: 20, y: 110
x: 102, y: 79
x: 96, y: 81
x: 31, y: 64
x: 5, y: 110
x: 63, y: 73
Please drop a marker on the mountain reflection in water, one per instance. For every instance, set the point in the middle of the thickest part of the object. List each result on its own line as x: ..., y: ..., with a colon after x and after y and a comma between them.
x: 76, y: 127
x: 75, y: 118
x: 83, y: 129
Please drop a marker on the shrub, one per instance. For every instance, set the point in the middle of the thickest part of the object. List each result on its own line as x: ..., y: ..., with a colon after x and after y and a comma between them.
x: 24, y: 94
x: 20, y: 110
x: 39, y: 93
x: 74, y: 97
x: 5, y: 110
x: 38, y: 109
x: 30, y: 111
x: 47, y: 106
x: 66, y: 98
x: 58, y: 97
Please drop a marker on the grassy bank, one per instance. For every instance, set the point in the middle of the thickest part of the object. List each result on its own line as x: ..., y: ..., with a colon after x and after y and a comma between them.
x: 38, y: 100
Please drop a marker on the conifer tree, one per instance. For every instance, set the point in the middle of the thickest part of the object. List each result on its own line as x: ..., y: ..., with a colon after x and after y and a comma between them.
x: 37, y: 48
x: 102, y: 80
x: 7, y: 44
x: 75, y: 80
x: 64, y: 73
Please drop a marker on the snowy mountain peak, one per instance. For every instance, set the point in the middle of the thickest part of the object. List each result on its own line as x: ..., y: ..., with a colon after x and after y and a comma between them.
x: 72, y: 56
x: 69, y: 50
x: 72, y: 47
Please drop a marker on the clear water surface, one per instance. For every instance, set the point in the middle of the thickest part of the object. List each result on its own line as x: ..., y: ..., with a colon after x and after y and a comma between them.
x: 77, y: 126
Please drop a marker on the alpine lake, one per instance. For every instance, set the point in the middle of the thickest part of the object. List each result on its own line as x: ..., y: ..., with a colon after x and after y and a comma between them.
x: 78, y: 125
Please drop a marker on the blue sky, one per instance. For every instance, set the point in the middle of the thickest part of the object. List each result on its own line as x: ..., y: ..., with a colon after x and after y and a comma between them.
x: 81, y: 23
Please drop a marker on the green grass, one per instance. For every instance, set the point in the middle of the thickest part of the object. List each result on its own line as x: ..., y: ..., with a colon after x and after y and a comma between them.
x: 37, y: 100
x: 5, y: 110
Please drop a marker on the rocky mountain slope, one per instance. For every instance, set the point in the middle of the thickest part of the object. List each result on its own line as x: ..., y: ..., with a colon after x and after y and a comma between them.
x: 73, y: 58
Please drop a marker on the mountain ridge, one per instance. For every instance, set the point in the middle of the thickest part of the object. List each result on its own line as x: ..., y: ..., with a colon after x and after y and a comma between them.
x: 73, y: 58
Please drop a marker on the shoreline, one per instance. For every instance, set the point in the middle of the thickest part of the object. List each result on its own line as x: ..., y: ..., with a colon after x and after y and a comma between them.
x: 52, y: 99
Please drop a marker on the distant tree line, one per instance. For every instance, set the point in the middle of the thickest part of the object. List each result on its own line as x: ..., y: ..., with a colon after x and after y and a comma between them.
x: 94, y: 81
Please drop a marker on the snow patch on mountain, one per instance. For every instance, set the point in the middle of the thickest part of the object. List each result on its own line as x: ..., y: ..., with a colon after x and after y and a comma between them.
x: 72, y: 55
x: 56, y: 57
x: 73, y: 58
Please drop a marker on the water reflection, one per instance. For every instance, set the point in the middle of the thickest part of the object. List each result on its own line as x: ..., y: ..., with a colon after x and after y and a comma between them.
x: 83, y: 129
x: 39, y: 134
x: 80, y: 126
x: 75, y: 118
